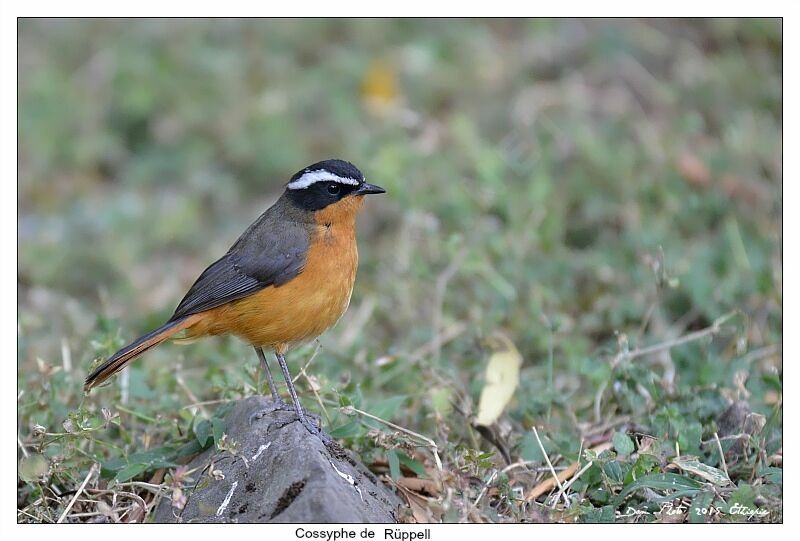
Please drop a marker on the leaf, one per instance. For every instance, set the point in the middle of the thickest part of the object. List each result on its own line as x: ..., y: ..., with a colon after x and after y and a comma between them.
x: 693, y: 465
x: 643, y: 465
x: 596, y: 515
x: 379, y: 88
x: 384, y: 409
x: 33, y: 467
x: 502, y: 378
x: 202, y: 431
x: 622, y: 443
x: 394, y: 464
x: 661, y: 481
x: 440, y: 400
x: 350, y: 429
x: 772, y: 474
x: 529, y: 447
x: 412, y: 465
x: 188, y: 448
x: 614, y: 471
x: 130, y: 472
x: 218, y: 429
x: 701, y: 507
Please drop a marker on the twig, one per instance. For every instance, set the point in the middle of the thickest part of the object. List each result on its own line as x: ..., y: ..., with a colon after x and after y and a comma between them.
x: 156, y: 489
x: 722, y: 455
x: 357, y: 322
x: 37, y: 519
x: 313, y: 356
x: 206, y: 403
x: 430, y: 442
x: 92, y: 471
x: 739, y: 436
x: 141, y: 416
x: 598, y: 400
x: 485, y: 489
x: 713, y: 329
x: 440, y: 340
x: 22, y: 446
x: 574, y: 478
x: 311, y: 383
x: 124, y: 386
x: 550, y: 465
x: 543, y: 487
x: 439, y: 293
x: 66, y: 355
x: 189, y: 393
x: 760, y: 353
x: 523, y: 463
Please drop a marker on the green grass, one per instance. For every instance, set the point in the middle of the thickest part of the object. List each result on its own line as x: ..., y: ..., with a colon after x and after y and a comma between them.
x: 586, y: 188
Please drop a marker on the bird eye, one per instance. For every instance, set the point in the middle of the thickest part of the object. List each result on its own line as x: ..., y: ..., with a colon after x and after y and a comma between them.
x: 333, y: 188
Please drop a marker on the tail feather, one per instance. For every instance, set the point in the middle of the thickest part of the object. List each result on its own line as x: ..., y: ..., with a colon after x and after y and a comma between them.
x: 120, y: 359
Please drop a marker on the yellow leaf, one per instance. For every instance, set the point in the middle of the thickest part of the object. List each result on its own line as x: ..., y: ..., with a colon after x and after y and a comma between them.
x: 379, y: 87
x: 502, y: 378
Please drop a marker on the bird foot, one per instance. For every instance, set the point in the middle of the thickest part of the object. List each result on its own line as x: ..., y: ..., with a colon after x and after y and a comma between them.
x: 311, y: 423
x: 315, y: 430
x: 275, y: 405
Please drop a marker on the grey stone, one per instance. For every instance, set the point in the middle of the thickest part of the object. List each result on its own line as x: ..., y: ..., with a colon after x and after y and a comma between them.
x: 739, y: 419
x: 276, y: 471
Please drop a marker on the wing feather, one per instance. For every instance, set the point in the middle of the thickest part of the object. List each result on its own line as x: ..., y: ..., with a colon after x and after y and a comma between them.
x: 269, y: 253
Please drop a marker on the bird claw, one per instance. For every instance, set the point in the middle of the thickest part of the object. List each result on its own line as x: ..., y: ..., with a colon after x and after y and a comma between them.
x: 313, y: 426
x: 279, y: 405
x: 311, y: 423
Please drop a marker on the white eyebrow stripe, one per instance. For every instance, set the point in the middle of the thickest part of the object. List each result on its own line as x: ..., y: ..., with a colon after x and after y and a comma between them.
x: 311, y: 177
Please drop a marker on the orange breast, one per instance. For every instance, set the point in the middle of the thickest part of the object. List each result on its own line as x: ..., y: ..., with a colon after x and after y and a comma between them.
x: 301, y: 309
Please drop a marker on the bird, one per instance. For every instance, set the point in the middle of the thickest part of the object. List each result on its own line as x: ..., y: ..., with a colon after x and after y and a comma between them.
x: 285, y: 281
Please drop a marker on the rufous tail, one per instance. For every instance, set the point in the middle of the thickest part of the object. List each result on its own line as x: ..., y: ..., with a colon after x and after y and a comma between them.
x: 120, y: 359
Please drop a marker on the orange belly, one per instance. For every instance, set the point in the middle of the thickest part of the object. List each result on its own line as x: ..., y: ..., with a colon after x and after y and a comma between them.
x: 301, y: 309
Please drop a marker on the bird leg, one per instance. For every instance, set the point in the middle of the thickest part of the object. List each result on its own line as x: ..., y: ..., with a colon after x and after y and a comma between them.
x: 301, y: 414
x: 272, y: 388
x: 278, y: 402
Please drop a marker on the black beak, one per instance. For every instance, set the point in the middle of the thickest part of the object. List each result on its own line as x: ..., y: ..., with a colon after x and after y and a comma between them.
x: 367, y: 188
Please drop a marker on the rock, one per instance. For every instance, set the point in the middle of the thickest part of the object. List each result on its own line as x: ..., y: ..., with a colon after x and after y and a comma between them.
x: 739, y: 419
x: 275, y: 471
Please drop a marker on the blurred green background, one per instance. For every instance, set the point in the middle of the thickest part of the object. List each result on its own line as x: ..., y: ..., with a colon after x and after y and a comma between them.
x: 579, y: 185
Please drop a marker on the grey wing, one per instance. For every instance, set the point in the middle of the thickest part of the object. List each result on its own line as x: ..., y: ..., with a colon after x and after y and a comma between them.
x: 264, y: 256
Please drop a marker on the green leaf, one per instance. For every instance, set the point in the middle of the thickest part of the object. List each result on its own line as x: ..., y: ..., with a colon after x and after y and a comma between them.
x: 350, y: 429
x: 614, y: 471
x: 701, y: 507
x: 661, y: 481
x: 412, y: 464
x: 772, y: 474
x: 644, y: 464
x: 394, y: 464
x: 386, y: 409
x: 33, y: 467
x: 440, y: 400
x: 529, y: 448
x: 218, y: 428
x: 189, y: 448
x: 603, y: 514
x: 622, y: 443
x: 130, y: 472
x: 202, y: 431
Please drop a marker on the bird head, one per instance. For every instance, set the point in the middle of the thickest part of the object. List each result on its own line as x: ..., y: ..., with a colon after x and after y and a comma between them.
x: 331, y: 189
